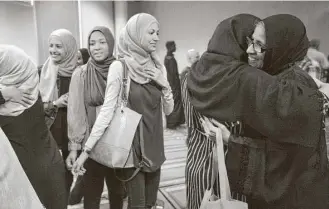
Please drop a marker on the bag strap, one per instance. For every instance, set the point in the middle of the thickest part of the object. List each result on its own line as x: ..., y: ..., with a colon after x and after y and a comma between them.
x: 225, y: 191
x: 140, y: 164
x: 123, y: 92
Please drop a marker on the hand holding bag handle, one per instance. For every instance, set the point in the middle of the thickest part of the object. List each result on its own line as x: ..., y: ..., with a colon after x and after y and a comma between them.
x: 210, y: 201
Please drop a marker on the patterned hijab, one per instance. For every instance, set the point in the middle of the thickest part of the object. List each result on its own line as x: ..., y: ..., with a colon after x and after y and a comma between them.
x: 131, y: 51
x: 19, y: 71
x: 96, y: 74
x: 50, y: 70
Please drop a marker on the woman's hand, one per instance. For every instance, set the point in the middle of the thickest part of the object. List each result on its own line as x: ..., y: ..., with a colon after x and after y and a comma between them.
x: 15, y: 95
x: 61, y: 101
x: 77, y: 168
x: 157, y: 76
x: 225, y: 132
x: 211, y: 126
x: 71, y: 158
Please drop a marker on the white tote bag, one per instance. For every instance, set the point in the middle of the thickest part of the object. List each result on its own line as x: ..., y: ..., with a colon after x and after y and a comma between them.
x: 210, y: 201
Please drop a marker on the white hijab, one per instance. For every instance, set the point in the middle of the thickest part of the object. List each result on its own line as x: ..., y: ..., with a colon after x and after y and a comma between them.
x: 50, y: 70
x: 130, y: 49
x: 18, y: 70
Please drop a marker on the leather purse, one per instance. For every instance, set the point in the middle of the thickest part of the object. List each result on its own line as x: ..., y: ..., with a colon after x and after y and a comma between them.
x: 113, y: 149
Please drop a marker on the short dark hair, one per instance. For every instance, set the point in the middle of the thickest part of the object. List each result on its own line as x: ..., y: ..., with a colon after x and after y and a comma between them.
x: 315, y: 43
x: 169, y: 44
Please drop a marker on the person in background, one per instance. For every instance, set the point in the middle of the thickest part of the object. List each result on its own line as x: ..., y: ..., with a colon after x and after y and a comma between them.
x: 192, y: 57
x: 149, y: 94
x: 77, y: 191
x: 176, y: 118
x: 23, y: 122
x: 319, y: 60
x: 87, y: 92
x: 54, y: 84
x: 83, y: 56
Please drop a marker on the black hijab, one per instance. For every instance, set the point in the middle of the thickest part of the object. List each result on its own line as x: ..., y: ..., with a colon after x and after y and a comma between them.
x: 85, y: 55
x: 224, y: 87
x: 214, y: 76
x: 286, y: 42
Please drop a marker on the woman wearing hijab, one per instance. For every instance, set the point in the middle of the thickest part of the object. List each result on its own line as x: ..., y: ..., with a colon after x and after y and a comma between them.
x: 77, y: 191
x: 87, y: 91
x: 25, y: 127
x: 83, y: 56
x: 297, y: 174
x: 54, y: 84
x: 199, y: 156
x: 273, y: 110
x: 149, y: 92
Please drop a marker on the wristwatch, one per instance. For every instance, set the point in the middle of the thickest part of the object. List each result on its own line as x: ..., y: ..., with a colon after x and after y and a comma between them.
x: 86, y: 150
x: 54, y: 104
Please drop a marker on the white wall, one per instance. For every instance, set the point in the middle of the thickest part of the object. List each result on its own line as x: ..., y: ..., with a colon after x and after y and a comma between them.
x: 95, y: 13
x: 18, y: 27
x: 53, y: 15
x: 191, y: 24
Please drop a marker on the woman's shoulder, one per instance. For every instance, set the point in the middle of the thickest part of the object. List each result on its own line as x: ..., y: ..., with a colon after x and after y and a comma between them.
x: 116, y: 69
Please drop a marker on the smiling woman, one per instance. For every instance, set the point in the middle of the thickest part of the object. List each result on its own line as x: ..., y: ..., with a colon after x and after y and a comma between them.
x: 54, y: 83
x: 98, y: 46
x: 87, y: 91
x: 149, y: 92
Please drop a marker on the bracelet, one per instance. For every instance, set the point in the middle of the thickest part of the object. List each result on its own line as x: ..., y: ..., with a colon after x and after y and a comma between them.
x: 86, y: 150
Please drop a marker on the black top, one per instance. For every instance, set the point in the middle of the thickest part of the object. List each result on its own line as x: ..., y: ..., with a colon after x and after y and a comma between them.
x: 59, y: 127
x: 146, y: 100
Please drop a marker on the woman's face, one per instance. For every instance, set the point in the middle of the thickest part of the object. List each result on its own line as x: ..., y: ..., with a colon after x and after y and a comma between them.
x: 256, y: 57
x: 80, y: 60
x: 150, y: 38
x: 98, y: 46
x: 56, y: 50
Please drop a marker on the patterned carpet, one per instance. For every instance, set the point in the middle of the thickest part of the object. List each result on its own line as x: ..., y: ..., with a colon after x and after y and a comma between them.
x: 172, y: 183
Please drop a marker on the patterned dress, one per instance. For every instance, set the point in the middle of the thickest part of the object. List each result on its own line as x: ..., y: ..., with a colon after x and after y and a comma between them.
x: 199, y: 156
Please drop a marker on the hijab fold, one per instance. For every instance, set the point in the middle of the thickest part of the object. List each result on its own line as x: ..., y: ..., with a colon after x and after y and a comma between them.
x: 50, y: 70
x: 96, y: 73
x: 17, y: 70
x: 131, y: 51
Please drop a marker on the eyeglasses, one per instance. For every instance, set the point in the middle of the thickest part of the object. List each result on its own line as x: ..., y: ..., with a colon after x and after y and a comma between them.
x: 259, y: 48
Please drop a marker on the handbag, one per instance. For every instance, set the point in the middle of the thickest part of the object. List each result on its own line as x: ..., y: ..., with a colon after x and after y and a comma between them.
x: 113, y: 149
x: 211, y: 201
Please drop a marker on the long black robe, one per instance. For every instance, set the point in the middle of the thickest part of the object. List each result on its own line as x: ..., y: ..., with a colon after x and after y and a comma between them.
x: 177, y: 117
